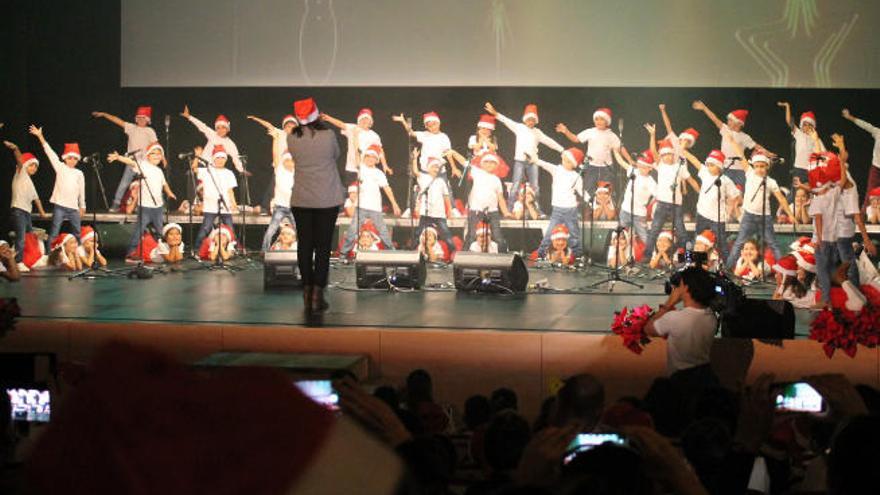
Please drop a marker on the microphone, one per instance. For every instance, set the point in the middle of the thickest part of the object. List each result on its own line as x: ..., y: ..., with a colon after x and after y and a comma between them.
x: 620, y: 127
x: 167, y: 122
x: 131, y: 153
x: 93, y: 158
x: 184, y: 156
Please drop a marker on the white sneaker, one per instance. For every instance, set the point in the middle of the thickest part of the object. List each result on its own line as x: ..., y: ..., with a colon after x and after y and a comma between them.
x: 23, y: 268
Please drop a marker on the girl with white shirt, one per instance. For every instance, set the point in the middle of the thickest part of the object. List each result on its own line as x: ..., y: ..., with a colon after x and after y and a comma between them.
x: 218, y: 184
x: 24, y: 196
x: 432, y: 198
x: 805, y: 138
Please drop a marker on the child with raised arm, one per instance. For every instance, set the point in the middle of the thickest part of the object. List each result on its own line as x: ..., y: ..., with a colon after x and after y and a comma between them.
x: 88, y: 250
x: 279, y: 146
x: 150, y: 192
x: 849, y: 215
x: 432, y: 198
x: 824, y: 177
x: 686, y: 140
x: 435, y: 143
x: 602, y: 145
x: 218, y: 136
x: 486, y: 200
x: 24, y: 196
x: 483, y: 140
x: 69, y: 193
x: 140, y: 135
x: 218, y: 183
x: 567, y: 186
x: 373, y: 183
x: 360, y: 137
x: 528, y: 137
x: 874, y: 173
x: 712, y: 211
x: 736, y: 120
x: 283, y: 163
x: 805, y: 138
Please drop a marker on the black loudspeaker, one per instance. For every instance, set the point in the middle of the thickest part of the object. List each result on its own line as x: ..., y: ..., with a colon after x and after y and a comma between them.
x: 488, y: 272
x: 384, y: 269
x: 760, y: 319
x: 280, y: 270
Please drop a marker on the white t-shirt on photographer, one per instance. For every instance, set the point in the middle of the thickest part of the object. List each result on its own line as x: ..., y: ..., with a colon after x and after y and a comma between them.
x: 691, y: 332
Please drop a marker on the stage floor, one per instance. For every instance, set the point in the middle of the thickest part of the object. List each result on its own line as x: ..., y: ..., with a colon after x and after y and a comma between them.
x: 195, y: 295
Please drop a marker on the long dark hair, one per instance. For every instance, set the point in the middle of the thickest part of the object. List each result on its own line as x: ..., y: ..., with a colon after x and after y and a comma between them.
x: 317, y: 125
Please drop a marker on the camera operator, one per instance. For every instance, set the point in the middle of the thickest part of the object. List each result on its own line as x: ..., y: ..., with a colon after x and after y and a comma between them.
x: 690, y: 330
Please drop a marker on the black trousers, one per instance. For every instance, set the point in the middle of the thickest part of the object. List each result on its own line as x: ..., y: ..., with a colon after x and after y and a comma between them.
x: 314, y: 229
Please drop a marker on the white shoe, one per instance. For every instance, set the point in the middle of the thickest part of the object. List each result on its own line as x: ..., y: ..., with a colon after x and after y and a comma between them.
x: 23, y: 268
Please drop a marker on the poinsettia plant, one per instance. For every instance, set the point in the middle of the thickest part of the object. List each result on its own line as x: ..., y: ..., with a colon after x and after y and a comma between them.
x: 630, y: 325
x: 843, y: 329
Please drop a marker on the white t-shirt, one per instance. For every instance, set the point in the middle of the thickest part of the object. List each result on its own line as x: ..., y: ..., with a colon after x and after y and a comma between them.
x: 226, y: 181
x: 434, y: 198
x: 154, y: 182
x: 433, y: 146
x: 707, y: 203
x: 214, y: 139
x: 667, y: 177
x: 875, y: 133
x: 803, y: 148
x: 70, y: 183
x: 825, y: 204
x: 847, y: 206
x: 472, y: 141
x: 477, y: 248
x: 528, y: 139
x: 754, y: 193
x: 157, y: 255
x: 283, y: 186
x: 741, y: 138
x: 364, y: 137
x: 691, y: 332
x: 23, y: 191
x: 565, y: 184
x: 645, y: 185
x: 485, y: 190
x: 599, y: 145
x: 372, y: 182
x: 139, y: 138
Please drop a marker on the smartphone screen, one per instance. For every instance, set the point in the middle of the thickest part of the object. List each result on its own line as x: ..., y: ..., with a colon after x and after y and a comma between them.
x: 798, y: 397
x: 586, y: 441
x: 29, y: 404
x: 320, y: 391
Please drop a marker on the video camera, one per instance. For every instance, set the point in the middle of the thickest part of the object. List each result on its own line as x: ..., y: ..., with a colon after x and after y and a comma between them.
x: 728, y: 295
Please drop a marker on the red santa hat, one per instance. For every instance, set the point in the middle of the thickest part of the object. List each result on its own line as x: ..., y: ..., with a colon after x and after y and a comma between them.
x: 646, y: 159
x: 489, y: 157
x: 306, y: 111
x: 802, y: 244
x: 603, y: 113
x: 874, y: 193
x: 665, y: 235
x: 787, y: 265
x: 759, y: 157
x: 222, y: 121
x: 369, y: 227
x: 486, y: 122
x: 365, y: 113
x: 716, y: 157
x: 374, y: 150
x: 482, y: 228
x: 560, y: 231
x: 154, y: 146
x: 805, y: 260
x: 603, y: 186
x: 666, y: 147
x: 61, y: 239
x: 829, y: 163
x: 27, y: 159
x: 169, y: 226
x: 530, y: 112
x: 739, y: 115
x: 71, y: 149
x: 430, y: 117
x: 145, y: 112
x: 288, y: 119
x: 690, y: 134
x: 809, y: 118
x: 574, y: 154
x: 707, y: 237
x: 86, y: 233
x: 34, y: 249
x: 432, y: 161
x: 218, y: 151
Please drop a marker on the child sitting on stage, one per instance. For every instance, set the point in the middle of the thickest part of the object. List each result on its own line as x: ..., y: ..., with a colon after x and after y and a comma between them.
x: 483, y: 242
x: 220, y: 243
x: 218, y: 183
x: 432, y: 197
x: 559, y: 252
x: 644, y: 187
x: 790, y: 287
x: 433, y: 249
x: 567, y: 186
x: 170, y: 249
x: 24, y: 196
x: 619, y: 253
x: 662, y: 257
x: 63, y: 253
x: 486, y: 199
x: 368, y: 239
x: 88, y: 251
x: 8, y: 266
x: 603, y: 202
x: 872, y: 211
x: 350, y: 201
x: 748, y: 265
x: 525, y: 204
x: 69, y: 193
x: 372, y: 183
x: 705, y: 242
x: 800, y: 207
x: 286, y: 240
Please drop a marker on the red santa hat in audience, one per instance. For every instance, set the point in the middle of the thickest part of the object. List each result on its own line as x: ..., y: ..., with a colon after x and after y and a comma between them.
x: 306, y: 111
x: 805, y: 260
x: 716, y: 157
x: 603, y: 113
x: 61, y: 239
x: 574, y: 154
x: 222, y: 121
x: 71, y: 150
x: 808, y: 117
x: 665, y: 147
x: 288, y: 119
x: 707, y: 237
x: 28, y: 159
x: 803, y: 243
x: 145, y: 112
x: 560, y: 231
x: 430, y: 117
x: 374, y: 150
x: 530, y: 112
x: 646, y: 159
x: 787, y: 266
x: 365, y: 113
x: 739, y: 115
x: 154, y: 146
x: 219, y: 152
x: 486, y: 122
x: 690, y: 135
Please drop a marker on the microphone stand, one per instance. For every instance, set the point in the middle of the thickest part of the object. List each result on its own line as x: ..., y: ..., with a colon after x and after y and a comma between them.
x: 632, y: 216
x: 95, y: 270
x: 167, y: 147
x: 588, y: 253
x: 722, y: 231
x: 613, y: 275
x: 411, y: 200
x: 191, y: 194
x: 246, y: 199
x: 219, y: 262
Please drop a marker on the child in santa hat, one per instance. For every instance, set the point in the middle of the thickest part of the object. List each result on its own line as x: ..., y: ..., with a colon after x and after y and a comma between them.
x: 806, y: 141
x: 603, y: 146
x: 791, y: 288
x: 559, y: 251
x: 525, y: 204
x: 360, y: 137
x: 171, y: 248
x: 483, y: 242
x: 749, y: 265
x: 709, y: 205
x: 435, y: 143
x: 63, y: 253
x: 220, y: 243
x: 634, y: 211
x: 88, y: 250
x: 486, y: 199
x: 433, y: 249
x: 567, y: 185
x: 872, y: 210
x: 662, y: 256
x: 150, y: 190
x: 736, y: 120
x: 683, y: 141
x: 619, y: 253
x: 800, y: 206
x: 824, y: 178
x: 528, y: 138
x: 218, y: 136
x: 69, y: 193
x: 706, y: 242
x: 286, y: 240
x: 874, y: 173
x: 373, y: 183
x: 283, y: 165
x: 603, y: 202
x: 218, y: 183
x: 24, y: 196
x: 279, y: 147
x: 140, y: 136
x: 350, y: 201
x: 483, y: 140
x: 8, y: 265
x: 433, y: 198
x: 368, y: 239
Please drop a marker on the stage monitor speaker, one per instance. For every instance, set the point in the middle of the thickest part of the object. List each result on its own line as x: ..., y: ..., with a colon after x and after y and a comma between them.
x: 384, y: 269
x: 280, y: 270
x: 760, y: 319
x: 489, y: 272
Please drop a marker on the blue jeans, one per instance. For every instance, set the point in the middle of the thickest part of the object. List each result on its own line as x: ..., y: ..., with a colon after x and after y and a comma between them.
x: 737, y: 176
x: 749, y: 228
x: 824, y: 267
x: 569, y: 218
x: 662, y: 212
x: 442, y: 229
x: 208, y: 224
x: 360, y: 216
x: 717, y: 228
x: 59, y: 215
x: 595, y: 174
x: 521, y: 168
x: 21, y: 221
x: 124, y: 182
x: 148, y: 216
x: 845, y: 252
x: 279, y: 214
x: 635, y: 223
x: 494, y: 218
